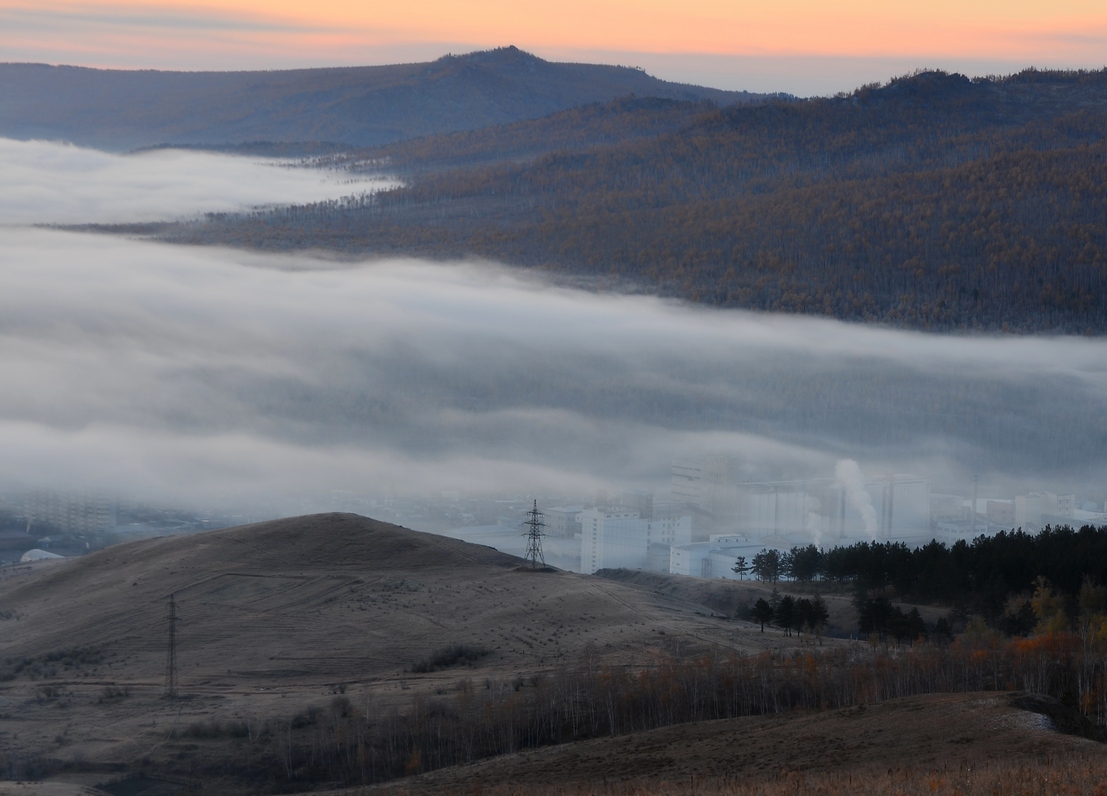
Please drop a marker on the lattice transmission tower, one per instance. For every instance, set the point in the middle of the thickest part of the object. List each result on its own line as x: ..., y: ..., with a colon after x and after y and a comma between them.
x: 534, y: 537
x: 171, y: 656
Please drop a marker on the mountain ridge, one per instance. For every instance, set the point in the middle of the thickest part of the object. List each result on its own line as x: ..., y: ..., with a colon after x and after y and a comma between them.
x: 355, y: 106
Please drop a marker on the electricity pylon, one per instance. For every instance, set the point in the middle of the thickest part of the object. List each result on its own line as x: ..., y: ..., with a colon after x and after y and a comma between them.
x: 534, y: 537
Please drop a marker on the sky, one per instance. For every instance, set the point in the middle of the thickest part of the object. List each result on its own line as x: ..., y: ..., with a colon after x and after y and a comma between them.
x: 800, y: 46
x: 205, y: 377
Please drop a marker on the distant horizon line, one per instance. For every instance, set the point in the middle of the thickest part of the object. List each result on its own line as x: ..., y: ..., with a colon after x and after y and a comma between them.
x: 1001, y: 70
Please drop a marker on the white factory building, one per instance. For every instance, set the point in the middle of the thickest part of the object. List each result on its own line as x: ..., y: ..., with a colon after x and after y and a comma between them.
x: 619, y: 537
x: 563, y: 521
x: 714, y: 558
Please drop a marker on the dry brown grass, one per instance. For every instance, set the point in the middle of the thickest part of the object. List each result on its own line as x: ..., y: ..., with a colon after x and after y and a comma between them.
x: 908, y: 746
x: 280, y: 617
x: 1079, y: 775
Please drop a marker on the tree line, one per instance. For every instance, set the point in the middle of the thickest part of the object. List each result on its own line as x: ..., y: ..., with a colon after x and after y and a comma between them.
x: 997, y: 578
x: 360, y: 744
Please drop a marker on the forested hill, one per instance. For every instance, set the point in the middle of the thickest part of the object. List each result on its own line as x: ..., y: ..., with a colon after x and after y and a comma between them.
x: 934, y: 202
x: 119, y: 110
x: 584, y: 127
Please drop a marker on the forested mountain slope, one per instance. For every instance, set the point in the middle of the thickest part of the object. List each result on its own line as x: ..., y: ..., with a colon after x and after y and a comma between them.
x: 933, y: 202
x: 119, y: 110
x: 584, y: 127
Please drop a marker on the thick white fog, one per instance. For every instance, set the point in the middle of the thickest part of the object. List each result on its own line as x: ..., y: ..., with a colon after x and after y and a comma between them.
x: 197, y: 375
x: 49, y: 183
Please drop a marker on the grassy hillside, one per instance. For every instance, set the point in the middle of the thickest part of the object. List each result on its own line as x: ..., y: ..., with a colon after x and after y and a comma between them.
x: 328, y: 598
x: 927, y: 741
x: 336, y: 649
x: 279, y: 619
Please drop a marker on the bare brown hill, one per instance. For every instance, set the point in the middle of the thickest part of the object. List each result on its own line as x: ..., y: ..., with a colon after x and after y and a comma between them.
x: 278, y: 617
x: 333, y: 596
x: 933, y: 733
x: 297, y: 634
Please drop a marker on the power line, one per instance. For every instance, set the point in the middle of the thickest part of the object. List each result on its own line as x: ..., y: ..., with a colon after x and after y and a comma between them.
x: 171, y: 657
x: 534, y: 537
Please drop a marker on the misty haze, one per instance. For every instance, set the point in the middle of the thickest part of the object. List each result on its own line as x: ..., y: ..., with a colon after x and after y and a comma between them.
x: 194, y: 375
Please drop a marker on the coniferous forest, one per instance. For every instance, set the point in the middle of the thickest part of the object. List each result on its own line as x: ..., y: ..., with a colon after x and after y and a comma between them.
x: 933, y: 202
x: 1013, y: 582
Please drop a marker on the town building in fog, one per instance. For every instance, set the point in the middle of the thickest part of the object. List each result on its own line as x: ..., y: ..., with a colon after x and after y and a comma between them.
x: 1038, y: 509
x: 714, y: 558
x: 68, y: 512
x: 620, y: 538
x: 824, y: 512
x: 563, y: 521
x: 1034, y: 511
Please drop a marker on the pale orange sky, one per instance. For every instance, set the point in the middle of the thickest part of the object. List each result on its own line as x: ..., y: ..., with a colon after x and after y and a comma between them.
x: 663, y: 35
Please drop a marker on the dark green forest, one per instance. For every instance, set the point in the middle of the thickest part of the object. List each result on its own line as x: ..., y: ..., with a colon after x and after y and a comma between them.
x: 1017, y: 583
x: 933, y: 202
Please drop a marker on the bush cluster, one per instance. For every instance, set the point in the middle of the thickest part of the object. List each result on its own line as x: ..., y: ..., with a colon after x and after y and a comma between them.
x: 453, y: 655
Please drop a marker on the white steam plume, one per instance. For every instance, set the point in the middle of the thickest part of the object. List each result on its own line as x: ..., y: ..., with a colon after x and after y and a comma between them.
x: 849, y: 476
x: 814, y: 520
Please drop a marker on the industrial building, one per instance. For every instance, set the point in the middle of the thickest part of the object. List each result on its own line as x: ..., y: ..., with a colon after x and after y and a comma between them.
x: 68, y: 512
x: 621, y: 538
x: 714, y: 558
x: 824, y: 511
x: 563, y: 521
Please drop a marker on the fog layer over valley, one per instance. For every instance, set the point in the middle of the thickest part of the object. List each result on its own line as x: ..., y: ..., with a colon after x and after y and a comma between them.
x: 203, y: 375
x: 49, y: 183
x: 199, y: 374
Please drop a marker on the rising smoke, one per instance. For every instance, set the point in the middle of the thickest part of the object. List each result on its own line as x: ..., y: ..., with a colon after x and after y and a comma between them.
x: 848, y: 474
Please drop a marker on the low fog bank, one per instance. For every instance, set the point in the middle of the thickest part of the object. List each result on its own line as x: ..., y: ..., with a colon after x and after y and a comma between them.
x: 199, y: 376
x: 50, y: 183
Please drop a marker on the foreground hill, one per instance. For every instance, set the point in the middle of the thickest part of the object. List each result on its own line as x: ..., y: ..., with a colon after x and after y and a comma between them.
x: 976, y: 744
x: 334, y: 649
x: 278, y: 617
x: 328, y: 597
x: 933, y: 202
x: 929, y: 740
x: 118, y: 110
